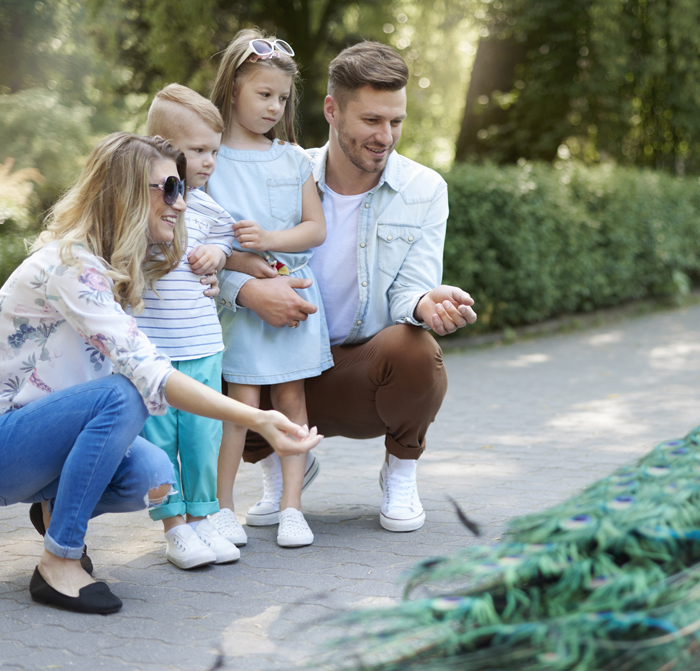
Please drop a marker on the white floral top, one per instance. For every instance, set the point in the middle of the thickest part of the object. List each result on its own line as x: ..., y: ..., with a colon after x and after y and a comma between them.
x: 60, y: 327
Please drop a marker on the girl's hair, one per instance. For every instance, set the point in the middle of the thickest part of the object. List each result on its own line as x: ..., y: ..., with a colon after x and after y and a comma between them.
x: 228, y: 78
x: 107, y: 210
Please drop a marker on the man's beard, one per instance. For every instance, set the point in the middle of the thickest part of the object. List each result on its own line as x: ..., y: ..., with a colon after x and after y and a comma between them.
x: 354, y: 152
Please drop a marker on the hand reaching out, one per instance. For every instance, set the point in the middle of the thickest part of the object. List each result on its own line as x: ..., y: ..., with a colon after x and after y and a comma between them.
x: 446, y: 309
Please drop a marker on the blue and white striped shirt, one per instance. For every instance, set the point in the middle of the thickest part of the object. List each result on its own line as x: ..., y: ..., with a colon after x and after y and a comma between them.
x: 183, y: 323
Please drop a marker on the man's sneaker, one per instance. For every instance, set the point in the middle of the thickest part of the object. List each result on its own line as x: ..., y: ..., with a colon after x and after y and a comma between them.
x: 224, y: 550
x: 185, y: 550
x: 293, y: 531
x: 266, y: 511
x: 401, y: 508
x: 229, y: 527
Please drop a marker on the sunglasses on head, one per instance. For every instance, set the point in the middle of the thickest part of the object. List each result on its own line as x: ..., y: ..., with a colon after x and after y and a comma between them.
x: 265, y: 49
x: 172, y: 187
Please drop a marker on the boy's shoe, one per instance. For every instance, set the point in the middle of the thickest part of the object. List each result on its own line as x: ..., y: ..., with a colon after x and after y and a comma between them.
x: 401, y: 508
x: 224, y: 550
x: 229, y: 527
x: 266, y: 511
x: 185, y: 549
x: 293, y: 531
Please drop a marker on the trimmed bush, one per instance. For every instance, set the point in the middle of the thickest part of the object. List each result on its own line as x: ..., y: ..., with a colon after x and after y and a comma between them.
x: 535, y: 241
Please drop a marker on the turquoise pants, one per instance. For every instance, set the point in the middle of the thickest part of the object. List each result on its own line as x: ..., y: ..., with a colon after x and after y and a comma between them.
x: 196, y: 440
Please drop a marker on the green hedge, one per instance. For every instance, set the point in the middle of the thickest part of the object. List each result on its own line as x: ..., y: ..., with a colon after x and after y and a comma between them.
x: 533, y: 241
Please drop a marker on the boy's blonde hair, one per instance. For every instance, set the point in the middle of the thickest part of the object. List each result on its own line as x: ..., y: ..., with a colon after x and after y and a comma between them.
x: 107, y: 210
x: 168, y: 115
x: 228, y: 77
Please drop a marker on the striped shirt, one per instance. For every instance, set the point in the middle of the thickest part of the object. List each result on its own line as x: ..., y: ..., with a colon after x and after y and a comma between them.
x: 182, y: 323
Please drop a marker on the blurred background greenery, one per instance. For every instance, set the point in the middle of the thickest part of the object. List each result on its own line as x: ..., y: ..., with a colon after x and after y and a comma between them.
x: 561, y: 90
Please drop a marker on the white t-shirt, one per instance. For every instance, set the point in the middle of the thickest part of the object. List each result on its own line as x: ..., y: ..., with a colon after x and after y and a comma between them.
x: 335, y: 263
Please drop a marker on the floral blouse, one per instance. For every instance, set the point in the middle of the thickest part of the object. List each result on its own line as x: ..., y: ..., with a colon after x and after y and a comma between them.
x: 60, y: 326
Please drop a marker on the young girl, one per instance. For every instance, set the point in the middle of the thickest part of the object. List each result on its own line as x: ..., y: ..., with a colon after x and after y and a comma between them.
x: 266, y: 185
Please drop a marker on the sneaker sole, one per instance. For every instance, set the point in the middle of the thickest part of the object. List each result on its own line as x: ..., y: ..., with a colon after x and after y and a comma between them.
x: 293, y: 544
x: 186, y: 565
x: 268, y: 519
x: 399, y: 526
x: 391, y: 524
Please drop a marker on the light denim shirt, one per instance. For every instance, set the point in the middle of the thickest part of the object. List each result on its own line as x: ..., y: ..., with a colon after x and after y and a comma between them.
x: 400, y: 238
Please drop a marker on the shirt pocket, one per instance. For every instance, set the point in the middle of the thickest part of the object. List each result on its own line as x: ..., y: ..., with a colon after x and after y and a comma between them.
x: 393, y: 244
x: 285, y: 198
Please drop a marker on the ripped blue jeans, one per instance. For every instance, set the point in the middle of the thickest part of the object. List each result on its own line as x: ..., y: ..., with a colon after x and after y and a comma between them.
x: 80, y: 448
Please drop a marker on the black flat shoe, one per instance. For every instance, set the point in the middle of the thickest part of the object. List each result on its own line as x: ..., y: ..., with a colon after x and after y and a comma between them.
x: 36, y: 517
x: 96, y: 598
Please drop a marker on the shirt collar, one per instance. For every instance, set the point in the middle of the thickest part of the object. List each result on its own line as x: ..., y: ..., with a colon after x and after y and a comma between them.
x: 391, y: 175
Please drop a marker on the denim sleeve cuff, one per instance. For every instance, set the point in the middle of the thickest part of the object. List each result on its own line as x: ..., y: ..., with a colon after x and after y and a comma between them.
x: 230, y: 283
x: 410, y: 319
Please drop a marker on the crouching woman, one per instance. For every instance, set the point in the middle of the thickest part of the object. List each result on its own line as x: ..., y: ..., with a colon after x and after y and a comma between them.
x: 68, y: 426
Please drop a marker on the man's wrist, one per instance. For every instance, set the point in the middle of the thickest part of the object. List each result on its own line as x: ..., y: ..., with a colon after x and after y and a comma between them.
x: 416, y: 311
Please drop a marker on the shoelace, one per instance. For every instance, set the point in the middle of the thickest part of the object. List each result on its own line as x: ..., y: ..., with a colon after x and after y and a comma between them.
x: 399, y: 491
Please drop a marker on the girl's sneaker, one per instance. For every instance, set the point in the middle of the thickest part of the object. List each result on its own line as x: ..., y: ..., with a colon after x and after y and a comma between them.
x: 266, y: 511
x: 224, y: 550
x: 229, y: 527
x: 293, y: 531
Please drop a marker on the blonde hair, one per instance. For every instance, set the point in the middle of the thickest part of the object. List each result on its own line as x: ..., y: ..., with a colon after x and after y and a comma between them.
x: 365, y: 64
x: 170, y: 109
x: 228, y: 77
x: 107, y: 210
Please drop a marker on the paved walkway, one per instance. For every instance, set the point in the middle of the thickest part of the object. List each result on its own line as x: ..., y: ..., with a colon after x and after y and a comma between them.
x: 523, y: 426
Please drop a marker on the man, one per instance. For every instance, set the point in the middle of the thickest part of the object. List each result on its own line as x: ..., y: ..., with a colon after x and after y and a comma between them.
x: 379, y: 273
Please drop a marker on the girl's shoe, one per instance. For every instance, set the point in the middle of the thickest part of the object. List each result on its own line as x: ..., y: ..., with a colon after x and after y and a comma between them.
x: 185, y: 549
x: 224, y: 550
x: 266, y: 511
x: 293, y: 531
x: 96, y: 598
x: 229, y: 527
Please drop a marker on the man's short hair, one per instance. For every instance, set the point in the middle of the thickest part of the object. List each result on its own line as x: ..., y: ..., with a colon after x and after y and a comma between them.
x: 365, y: 64
x: 170, y: 109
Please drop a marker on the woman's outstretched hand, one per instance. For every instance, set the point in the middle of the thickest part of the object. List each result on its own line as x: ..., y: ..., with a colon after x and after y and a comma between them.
x: 285, y: 436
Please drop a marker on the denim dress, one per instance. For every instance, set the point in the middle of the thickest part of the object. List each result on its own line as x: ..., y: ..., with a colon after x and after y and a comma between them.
x: 265, y: 187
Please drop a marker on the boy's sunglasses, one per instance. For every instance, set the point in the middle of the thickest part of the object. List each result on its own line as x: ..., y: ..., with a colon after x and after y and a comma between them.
x: 265, y: 49
x: 172, y: 187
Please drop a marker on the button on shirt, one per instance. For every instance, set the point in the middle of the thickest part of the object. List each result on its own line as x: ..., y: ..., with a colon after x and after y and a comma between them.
x: 400, y: 241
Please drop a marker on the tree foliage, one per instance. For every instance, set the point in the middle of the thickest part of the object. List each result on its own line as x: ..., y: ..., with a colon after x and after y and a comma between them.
x: 160, y: 41
x: 592, y: 78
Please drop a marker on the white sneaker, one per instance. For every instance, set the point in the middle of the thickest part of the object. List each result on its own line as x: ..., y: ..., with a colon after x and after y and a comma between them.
x: 293, y: 531
x: 401, y: 508
x: 266, y: 511
x: 229, y: 527
x: 184, y: 548
x: 224, y: 550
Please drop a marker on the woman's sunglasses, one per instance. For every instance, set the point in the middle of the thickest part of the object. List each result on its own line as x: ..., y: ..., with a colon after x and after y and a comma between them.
x: 265, y: 49
x: 172, y: 187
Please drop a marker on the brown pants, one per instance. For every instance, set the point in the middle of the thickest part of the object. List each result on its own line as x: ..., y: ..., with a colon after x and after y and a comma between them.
x: 392, y: 385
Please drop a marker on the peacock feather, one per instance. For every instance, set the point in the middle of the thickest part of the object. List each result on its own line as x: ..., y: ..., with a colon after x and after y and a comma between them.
x: 606, y: 581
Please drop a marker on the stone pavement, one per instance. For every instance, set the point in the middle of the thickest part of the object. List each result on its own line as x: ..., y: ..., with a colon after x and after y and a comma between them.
x: 523, y: 427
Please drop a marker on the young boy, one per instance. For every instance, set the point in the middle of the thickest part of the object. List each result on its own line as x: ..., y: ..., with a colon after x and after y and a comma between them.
x: 183, y: 323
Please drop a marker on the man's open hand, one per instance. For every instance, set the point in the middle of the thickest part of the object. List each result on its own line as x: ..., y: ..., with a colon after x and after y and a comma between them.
x: 446, y: 309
